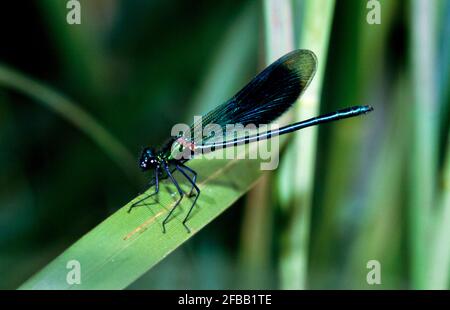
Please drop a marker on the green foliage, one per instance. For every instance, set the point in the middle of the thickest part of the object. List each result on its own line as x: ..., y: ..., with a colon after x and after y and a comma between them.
x: 346, y: 193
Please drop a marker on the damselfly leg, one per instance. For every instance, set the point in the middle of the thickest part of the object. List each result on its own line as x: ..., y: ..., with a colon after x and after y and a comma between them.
x: 192, y: 181
x: 166, y: 168
x: 194, y: 185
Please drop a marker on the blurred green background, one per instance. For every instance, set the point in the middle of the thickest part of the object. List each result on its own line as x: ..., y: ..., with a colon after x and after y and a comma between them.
x: 381, y: 182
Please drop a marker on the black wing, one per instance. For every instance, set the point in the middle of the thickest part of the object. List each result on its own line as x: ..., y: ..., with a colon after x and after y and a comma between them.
x: 265, y: 98
x: 268, y: 95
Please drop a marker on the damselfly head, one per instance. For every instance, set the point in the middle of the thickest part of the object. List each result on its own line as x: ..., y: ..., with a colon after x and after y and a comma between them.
x: 148, y: 159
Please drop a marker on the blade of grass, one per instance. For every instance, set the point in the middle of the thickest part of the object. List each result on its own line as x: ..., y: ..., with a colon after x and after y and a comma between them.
x: 440, y: 251
x: 278, y: 28
x: 439, y: 258
x: 316, y: 25
x: 257, y: 226
x: 256, y: 236
x: 443, y: 63
x: 340, y: 82
x: 369, y: 208
x: 69, y: 110
x: 376, y: 228
x: 424, y: 156
x: 124, y: 246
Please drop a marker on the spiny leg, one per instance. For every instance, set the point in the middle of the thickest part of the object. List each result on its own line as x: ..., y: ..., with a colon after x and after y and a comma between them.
x: 136, y: 204
x: 179, y: 200
x: 192, y: 181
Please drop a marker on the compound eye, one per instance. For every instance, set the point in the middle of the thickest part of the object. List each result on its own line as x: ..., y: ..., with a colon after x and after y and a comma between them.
x: 148, y: 152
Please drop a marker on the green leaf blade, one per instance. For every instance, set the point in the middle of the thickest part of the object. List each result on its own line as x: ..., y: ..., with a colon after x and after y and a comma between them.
x: 126, y: 245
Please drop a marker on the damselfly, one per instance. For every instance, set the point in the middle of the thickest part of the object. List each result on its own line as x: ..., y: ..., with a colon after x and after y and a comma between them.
x: 271, y: 93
